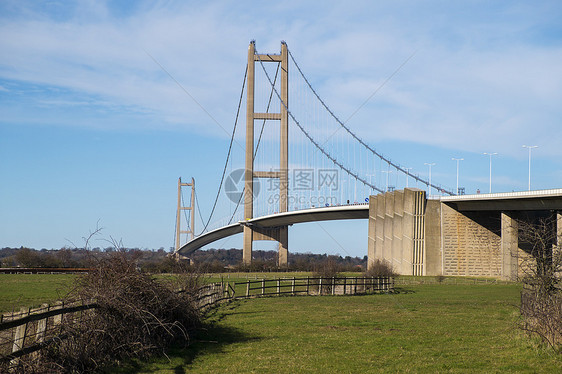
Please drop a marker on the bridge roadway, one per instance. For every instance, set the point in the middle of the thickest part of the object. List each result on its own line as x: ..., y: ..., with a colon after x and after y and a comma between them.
x: 355, y: 211
x: 508, y: 201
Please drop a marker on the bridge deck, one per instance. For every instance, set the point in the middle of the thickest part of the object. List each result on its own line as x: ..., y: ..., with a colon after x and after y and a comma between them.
x: 359, y: 211
x: 507, y: 201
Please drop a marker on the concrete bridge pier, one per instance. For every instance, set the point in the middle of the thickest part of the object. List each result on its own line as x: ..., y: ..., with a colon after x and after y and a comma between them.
x: 397, y: 232
x: 509, y: 246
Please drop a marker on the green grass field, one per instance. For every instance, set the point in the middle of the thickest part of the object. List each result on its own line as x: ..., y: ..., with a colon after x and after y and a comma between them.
x: 425, y: 328
x: 447, y: 327
x: 30, y: 290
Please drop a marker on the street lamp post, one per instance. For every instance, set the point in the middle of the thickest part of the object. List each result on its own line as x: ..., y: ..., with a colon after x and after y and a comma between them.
x: 371, y: 180
x: 530, y: 147
x: 490, y: 154
x: 407, y: 174
x: 430, y: 165
x: 387, y: 174
x: 457, y: 160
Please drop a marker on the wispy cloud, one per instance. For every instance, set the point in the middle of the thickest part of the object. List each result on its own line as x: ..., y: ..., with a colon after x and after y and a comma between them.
x: 476, y: 82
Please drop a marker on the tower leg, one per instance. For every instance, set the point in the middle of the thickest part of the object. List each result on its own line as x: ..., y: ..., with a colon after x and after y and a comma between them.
x: 247, y: 246
x: 283, y: 246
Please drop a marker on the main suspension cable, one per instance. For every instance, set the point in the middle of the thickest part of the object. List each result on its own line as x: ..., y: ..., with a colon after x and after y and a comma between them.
x: 334, y: 160
x: 228, y: 154
x: 396, y: 166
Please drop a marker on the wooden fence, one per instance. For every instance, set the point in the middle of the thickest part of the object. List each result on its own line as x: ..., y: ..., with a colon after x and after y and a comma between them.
x: 43, y: 270
x: 31, y: 329
x: 313, y: 286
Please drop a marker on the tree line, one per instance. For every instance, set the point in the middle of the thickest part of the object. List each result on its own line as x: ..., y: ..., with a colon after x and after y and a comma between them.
x: 162, y: 261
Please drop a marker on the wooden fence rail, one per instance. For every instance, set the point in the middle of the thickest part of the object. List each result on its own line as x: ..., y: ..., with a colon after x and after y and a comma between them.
x: 32, y: 329
x: 314, y: 286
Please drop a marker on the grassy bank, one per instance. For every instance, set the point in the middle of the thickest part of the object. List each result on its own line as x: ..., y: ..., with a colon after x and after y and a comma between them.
x: 426, y: 328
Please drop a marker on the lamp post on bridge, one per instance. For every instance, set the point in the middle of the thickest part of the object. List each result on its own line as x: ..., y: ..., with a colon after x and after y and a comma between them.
x: 387, y: 172
x: 530, y: 147
x: 457, y: 160
x: 490, y: 154
x: 430, y: 165
x: 371, y: 181
x: 407, y: 175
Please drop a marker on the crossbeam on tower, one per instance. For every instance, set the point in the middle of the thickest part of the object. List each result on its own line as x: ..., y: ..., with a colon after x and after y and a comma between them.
x: 280, y: 234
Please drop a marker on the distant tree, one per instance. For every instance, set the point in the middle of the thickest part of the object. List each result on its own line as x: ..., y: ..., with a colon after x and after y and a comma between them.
x: 26, y: 257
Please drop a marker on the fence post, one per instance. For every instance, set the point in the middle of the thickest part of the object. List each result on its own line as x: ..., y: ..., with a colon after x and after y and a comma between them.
x: 40, y: 330
x: 248, y: 288
x: 263, y: 286
x: 320, y: 287
x: 42, y: 325
x: 57, y: 320
x: 355, y: 287
x: 19, y: 337
x: 333, y: 285
x: 307, y: 285
x: 293, y: 287
x: 278, y: 286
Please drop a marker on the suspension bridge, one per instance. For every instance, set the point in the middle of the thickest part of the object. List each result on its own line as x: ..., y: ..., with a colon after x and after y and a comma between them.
x: 300, y: 162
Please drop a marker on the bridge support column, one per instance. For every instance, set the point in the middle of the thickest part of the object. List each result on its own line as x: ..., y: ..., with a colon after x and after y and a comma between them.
x: 253, y: 233
x: 557, y: 250
x: 509, y: 246
x: 247, y: 246
x: 559, y: 230
x: 283, y: 260
x: 397, y: 231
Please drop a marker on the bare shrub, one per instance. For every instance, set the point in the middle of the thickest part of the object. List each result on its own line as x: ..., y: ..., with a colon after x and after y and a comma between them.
x: 136, y: 317
x: 326, y: 270
x: 380, y: 268
x: 541, y: 298
x: 542, y: 316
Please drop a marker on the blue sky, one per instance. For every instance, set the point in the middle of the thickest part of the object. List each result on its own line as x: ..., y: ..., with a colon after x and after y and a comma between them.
x: 91, y: 129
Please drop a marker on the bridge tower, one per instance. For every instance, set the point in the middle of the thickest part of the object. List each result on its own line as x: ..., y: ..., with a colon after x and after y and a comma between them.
x: 251, y: 233
x: 191, y: 229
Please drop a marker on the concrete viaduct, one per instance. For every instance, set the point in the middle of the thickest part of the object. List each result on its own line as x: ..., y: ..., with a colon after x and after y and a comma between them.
x: 467, y: 235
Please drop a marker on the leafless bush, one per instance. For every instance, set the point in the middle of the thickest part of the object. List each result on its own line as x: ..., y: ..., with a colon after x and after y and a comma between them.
x: 380, y: 268
x: 542, y: 316
x: 326, y: 270
x: 137, y: 315
x: 440, y: 278
x: 541, y: 299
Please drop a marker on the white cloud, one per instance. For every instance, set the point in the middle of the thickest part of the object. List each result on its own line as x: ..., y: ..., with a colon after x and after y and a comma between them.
x: 475, y: 82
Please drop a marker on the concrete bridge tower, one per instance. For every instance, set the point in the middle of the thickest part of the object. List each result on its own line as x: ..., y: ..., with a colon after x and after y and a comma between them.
x: 251, y: 233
